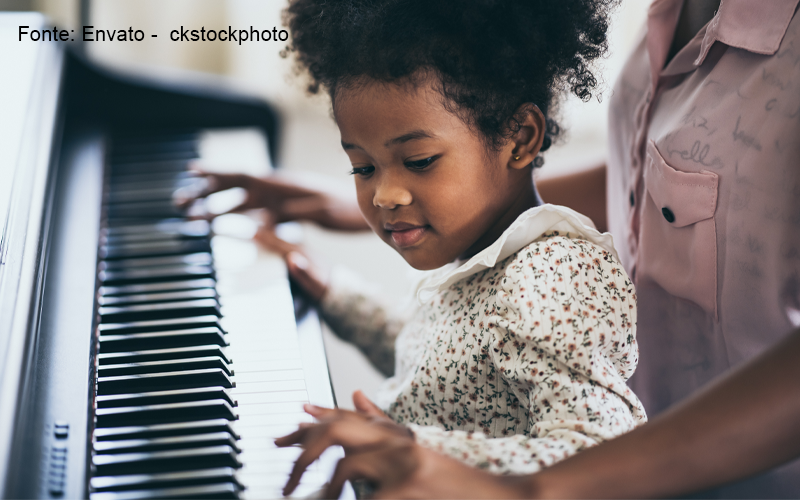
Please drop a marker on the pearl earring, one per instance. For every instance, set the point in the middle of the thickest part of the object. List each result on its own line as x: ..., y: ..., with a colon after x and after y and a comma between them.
x: 516, y: 157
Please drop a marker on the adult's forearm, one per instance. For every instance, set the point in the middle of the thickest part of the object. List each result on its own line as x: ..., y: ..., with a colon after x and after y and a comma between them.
x: 584, y: 192
x: 741, y: 425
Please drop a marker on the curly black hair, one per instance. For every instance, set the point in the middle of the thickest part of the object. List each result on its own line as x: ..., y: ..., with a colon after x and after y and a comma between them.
x: 490, y: 56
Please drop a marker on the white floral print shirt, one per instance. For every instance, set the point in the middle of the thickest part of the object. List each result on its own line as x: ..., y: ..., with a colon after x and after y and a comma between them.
x: 514, y: 359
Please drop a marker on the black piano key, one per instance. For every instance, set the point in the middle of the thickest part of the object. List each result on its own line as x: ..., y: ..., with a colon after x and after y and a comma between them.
x: 160, y: 325
x: 144, y: 209
x: 164, y: 430
x: 112, y: 358
x: 166, y: 310
x: 147, y: 382
x: 155, y: 274
x: 221, y: 490
x: 162, y: 340
x: 169, y: 227
x: 153, y: 144
x: 129, y: 194
x: 168, y: 412
x: 164, y: 480
x: 150, y: 298
x: 163, y: 178
x: 163, y: 461
x: 168, y: 286
x: 197, y: 259
x: 163, y: 366
x: 167, y: 443
x: 162, y: 397
x: 138, y: 165
x: 174, y: 246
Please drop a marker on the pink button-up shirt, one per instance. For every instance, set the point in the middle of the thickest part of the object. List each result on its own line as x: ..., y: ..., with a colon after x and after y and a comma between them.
x: 704, y: 197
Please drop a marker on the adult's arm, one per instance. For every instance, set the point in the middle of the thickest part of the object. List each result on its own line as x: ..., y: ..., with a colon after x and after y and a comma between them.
x: 744, y: 424
x: 584, y: 192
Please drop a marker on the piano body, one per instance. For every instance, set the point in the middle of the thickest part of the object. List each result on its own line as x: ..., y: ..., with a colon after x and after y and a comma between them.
x: 142, y: 355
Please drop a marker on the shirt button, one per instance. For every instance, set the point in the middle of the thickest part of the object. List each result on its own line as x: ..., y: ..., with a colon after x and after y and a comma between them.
x: 667, y: 213
x: 632, y: 199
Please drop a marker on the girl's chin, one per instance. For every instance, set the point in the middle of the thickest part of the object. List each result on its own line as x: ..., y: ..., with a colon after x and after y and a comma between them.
x: 423, y: 259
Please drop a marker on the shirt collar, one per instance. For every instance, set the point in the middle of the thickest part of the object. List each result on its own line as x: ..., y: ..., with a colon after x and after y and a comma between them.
x: 755, y: 26
x: 528, y: 227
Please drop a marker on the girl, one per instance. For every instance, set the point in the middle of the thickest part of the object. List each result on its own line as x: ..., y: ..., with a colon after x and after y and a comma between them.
x: 518, y: 352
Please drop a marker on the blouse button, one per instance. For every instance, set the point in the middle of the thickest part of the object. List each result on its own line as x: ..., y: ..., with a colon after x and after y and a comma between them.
x: 667, y: 213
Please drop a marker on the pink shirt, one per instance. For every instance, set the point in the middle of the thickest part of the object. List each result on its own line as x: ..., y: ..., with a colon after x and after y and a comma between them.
x: 704, y: 197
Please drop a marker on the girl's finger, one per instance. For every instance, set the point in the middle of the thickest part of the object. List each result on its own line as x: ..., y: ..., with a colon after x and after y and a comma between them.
x: 349, y: 468
x: 320, y: 413
x: 301, y: 270
x: 314, y: 446
x: 295, y: 437
x: 365, y: 406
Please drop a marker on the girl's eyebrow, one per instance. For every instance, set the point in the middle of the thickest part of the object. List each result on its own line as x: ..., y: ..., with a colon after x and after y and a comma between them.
x: 411, y: 136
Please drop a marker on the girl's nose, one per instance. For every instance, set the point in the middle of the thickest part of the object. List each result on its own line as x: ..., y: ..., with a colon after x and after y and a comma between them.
x: 390, y: 195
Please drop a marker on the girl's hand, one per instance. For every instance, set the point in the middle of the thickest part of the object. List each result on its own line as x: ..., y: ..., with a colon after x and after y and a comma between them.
x: 373, y: 445
x: 284, y: 199
x: 385, y: 454
x: 301, y: 270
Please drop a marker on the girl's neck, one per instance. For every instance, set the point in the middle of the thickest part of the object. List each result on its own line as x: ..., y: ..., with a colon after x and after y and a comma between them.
x: 527, y: 198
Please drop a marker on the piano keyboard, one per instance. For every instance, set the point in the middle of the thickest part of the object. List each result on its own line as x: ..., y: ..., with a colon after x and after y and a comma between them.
x: 200, y: 362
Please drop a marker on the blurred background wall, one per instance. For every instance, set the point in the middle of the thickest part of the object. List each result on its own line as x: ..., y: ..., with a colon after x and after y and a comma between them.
x: 310, y: 138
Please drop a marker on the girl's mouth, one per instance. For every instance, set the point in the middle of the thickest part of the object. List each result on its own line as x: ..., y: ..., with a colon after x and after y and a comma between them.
x: 404, y: 234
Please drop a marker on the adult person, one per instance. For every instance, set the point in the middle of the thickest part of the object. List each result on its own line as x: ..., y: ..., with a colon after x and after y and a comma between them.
x: 703, y: 196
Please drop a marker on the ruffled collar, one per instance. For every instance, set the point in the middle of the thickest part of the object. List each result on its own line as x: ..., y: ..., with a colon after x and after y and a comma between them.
x: 528, y: 227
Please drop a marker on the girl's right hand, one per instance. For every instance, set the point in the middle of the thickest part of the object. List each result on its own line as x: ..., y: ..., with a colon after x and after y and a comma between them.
x: 286, y: 200
x: 307, y: 275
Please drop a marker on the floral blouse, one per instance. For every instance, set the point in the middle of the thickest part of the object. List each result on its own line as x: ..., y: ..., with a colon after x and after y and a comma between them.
x: 514, y: 359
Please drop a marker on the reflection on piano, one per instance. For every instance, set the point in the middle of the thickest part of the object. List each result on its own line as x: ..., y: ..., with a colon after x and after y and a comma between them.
x: 144, y: 355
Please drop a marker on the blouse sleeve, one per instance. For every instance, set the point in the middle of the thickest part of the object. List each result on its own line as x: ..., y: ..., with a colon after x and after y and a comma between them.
x: 351, y: 308
x: 564, y: 339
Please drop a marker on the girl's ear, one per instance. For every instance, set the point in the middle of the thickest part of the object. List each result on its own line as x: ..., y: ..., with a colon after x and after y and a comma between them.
x: 527, y: 141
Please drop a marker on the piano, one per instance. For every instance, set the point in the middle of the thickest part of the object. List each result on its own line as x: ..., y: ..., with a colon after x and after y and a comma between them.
x: 143, y: 354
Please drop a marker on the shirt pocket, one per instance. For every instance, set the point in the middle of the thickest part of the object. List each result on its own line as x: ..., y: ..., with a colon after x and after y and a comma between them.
x: 677, y: 239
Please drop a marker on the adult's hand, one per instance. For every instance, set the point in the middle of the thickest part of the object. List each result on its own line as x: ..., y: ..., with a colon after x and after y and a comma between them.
x: 286, y: 200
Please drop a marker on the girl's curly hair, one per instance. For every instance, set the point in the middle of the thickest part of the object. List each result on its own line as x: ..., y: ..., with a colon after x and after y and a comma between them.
x: 490, y: 56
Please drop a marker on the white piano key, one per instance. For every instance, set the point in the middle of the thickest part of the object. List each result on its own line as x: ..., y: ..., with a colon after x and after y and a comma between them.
x: 241, y: 391
x: 310, y: 478
x: 288, y: 344
x: 268, y: 376
x: 252, y: 399
x: 254, y: 420
x: 248, y: 399
x: 267, y: 366
x: 263, y: 430
x: 271, y: 408
x: 253, y: 457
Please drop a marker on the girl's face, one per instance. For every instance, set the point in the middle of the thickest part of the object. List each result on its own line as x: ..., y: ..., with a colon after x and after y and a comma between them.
x: 426, y: 183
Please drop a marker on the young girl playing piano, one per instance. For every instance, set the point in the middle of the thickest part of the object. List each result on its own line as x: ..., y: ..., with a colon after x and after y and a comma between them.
x: 519, y: 349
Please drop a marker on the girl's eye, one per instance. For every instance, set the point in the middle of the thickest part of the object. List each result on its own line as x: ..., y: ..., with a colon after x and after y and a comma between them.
x: 362, y: 170
x: 420, y: 164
